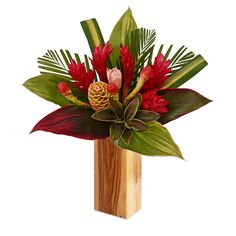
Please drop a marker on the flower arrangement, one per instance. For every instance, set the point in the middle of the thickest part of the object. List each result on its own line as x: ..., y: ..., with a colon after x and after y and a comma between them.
x: 124, y: 90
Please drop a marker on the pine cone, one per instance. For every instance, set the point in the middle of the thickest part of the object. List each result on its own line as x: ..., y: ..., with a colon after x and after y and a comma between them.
x: 98, y: 96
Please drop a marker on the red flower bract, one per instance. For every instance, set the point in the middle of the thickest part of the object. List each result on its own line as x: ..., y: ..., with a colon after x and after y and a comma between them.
x: 112, y: 88
x: 128, y: 68
x: 151, y: 101
x: 100, y: 58
x: 157, y: 74
x: 78, y: 73
x: 63, y: 89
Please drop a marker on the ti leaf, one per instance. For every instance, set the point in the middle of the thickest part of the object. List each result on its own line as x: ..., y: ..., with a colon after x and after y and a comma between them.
x: 137, y: 125
x: 105, y: 115
x: 156, y: 141
x: 73, y: 121
x: 45, y: 86
x: 53, y: 62
x: 123, y: 27
x: 132, y: 108
x: 147, y: 116
x: 116, y: 130
x: 126, y: 137
x: 117, y: 108
x: 181, y: 102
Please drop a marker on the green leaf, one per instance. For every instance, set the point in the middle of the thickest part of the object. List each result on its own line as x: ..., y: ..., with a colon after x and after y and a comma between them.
x: 131, y: 109
x: 93, y: 33
x: 117, y: 108
x: 181, y: 102
x: 53, y: 62
x: 185, y: 72
x: 137, y: 125
x: 122, y: 28
x: 126, y: 137
x: 105, y: 115
x: 156, y: 141
x: 45, y: 86
x: 116, y: 130
x: 147, y: 116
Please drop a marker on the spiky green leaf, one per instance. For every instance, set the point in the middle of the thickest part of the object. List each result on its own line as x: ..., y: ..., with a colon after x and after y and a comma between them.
x: 141, y: 44
x: 55, y: 62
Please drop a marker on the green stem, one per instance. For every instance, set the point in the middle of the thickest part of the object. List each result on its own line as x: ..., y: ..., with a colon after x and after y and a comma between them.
x: 140, y: 83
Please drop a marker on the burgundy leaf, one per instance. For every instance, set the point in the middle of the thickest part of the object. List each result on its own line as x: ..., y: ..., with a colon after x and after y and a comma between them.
x: 181, y: 102
x: 73, y: 121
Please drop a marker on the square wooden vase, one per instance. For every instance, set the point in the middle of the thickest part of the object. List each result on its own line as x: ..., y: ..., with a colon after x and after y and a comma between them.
x: 117, y: 179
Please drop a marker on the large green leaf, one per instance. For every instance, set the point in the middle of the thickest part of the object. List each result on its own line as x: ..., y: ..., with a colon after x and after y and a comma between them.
x: 53, y: 62
x: 185, y: 72
x: 45, y: 86
x: 181, y: 102
x: 156, y: 141
x: 73, y: 121
x: 93, y: 33
x: 122, y: 28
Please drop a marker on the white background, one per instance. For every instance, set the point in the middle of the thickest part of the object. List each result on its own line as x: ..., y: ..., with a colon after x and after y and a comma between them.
x: 46, y: 181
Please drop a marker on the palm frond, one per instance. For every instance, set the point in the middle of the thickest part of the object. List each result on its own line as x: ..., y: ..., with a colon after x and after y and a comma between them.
x: 141, y: 44
x: 179, y: 59
x: 55, y: 62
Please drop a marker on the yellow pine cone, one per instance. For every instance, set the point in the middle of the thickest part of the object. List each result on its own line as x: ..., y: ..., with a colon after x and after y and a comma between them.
x: 98, y: 96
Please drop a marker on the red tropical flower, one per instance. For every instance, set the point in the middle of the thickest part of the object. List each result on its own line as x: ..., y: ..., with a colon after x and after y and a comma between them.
x: 64, y: 89
x: 99, y: 61
x: 156, y: 73
x: 153, y: 102
x: 112, y: 88
x: 82, y: 79
x: 128, y: 68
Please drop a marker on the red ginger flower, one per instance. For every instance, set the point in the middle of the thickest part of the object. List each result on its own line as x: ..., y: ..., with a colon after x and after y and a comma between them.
x: 112, y: 88
x: 128, y: 68
x: 153, y: 102
x: 99, y: 61
x: 64, y: 89
x: 78, y: 73
x: 156, y: 73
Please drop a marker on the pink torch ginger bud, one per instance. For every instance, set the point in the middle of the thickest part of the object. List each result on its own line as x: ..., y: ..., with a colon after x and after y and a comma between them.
x: 114, y: 76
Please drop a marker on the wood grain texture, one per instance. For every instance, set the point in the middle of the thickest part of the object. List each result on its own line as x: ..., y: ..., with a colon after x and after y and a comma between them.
x: 117, y: 179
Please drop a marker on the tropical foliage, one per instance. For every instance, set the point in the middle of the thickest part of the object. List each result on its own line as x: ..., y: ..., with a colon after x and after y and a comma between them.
x: 121, y: 90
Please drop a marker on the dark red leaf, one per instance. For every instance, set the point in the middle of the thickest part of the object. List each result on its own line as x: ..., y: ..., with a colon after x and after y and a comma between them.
x: 181, y: 102
x: 73, y: 121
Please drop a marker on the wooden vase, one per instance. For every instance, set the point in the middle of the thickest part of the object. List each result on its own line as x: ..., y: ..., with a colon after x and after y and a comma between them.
x: 117, y: 179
